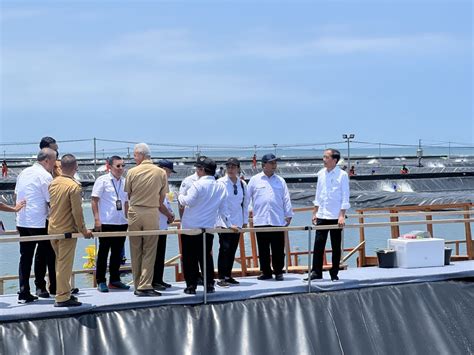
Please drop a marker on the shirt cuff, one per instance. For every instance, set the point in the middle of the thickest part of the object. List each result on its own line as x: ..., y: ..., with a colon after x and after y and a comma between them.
x: 345, y: 206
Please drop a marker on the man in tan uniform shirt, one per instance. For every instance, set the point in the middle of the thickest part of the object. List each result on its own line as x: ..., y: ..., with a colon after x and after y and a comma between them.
x: 66, y: 217
x: 146, y: 185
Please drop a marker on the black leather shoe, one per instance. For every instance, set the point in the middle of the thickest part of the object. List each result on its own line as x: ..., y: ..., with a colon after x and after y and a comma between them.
x: 314, y: 276
x: 166, y: 284
x: 264, y: 277
x: 146, y: 293
x: 26, y: 298
x: 210, y: 289
x: 279, y: 277
x: 334, y: 276
x: 42, y: 293
x: 69, y: 303
x: 159, y: 287
x: 74, y: 290
x: 190, y: 290
x: 232, y: 281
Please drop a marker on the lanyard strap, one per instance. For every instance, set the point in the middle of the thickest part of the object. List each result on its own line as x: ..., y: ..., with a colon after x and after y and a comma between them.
x: 116, y: 191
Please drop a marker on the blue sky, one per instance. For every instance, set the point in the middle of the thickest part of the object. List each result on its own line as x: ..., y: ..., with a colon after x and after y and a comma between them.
x: 237, y: 72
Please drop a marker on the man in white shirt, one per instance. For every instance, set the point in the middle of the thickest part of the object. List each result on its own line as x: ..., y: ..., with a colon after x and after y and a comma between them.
x: 204, y: 201
x: 271, y: 204
x: 166, y: 216
x: 238, y: 203
x: 110, y: 209
x: 330, y: 205
x: 32, y: 185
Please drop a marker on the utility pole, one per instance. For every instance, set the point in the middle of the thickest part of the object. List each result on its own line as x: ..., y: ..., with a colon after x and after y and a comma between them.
x: 419, y: 153
x: 348, y: 138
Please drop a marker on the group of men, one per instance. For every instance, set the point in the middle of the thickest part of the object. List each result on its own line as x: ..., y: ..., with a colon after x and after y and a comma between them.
x: 138, y: 203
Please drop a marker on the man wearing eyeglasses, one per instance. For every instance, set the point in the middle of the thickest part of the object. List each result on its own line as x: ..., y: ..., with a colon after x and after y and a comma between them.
x: 271, y: 204
x: 110, y: 209
x: 238, y: 203
x: 330, y: 205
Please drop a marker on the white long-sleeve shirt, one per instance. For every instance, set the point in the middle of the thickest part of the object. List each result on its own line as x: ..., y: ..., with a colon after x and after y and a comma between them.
x: 238, y: 203
x: 204, y: 201
x: 32, y: 185
x: 332, y: 193
x: 187, y: 183
x: 270, y: 200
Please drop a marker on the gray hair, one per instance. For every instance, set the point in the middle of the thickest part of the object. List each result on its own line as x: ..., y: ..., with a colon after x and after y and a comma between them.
x: 46, y: 153
x: 144, y: 149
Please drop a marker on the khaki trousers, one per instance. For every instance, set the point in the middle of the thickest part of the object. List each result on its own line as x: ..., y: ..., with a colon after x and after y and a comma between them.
x: 143, y: 248
x: 65, y: 250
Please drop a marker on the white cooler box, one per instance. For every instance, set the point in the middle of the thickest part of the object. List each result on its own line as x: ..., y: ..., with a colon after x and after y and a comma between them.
x: 412, y: 253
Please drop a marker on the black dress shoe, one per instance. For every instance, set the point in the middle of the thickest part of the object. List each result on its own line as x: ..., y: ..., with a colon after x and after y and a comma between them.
x: 69, y: 303
x: 190, y: 290
x: 210, y: 289
x: 159, y: 287
x: 26, y: 298
x: 146, y: 293
x: 264, y: 277
x: 333, y: 276
x: 42, y: 293
x: 232, y: 281
x: 314, y: 276
x: 166, y: 284
x: 279, y: 277
x: 74, y: 290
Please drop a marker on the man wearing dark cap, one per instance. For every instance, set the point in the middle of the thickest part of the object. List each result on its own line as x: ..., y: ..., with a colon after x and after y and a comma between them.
x: 204, y: 201
x: 166, y: 216
x: 237, y: 202
x: 271, y: 208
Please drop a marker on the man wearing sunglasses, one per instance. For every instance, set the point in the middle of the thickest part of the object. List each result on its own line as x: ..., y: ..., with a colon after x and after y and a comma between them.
x: 271, y: 204
x: 110, y: 209
x: 237, y: 202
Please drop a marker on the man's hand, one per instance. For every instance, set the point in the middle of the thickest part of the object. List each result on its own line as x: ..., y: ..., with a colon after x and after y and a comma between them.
x: 288, y: 221
x: 341, y: 221
x: 87, y: 234
x: 97, y: 226
x: 244, y: 225
x: 235, y: 228
x: 20, y: 205
x: 171, y: 218
x: 314, y: 219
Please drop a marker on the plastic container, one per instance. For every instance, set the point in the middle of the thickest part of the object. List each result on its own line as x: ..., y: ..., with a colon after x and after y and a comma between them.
x: 386, y: 258
x: 447, y: 255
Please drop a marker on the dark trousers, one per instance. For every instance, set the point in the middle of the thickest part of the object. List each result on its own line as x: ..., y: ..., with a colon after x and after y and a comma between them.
x: 320, y: 245
x: 228, y: 243
x: 160, y: 260
x: 275, y: 241
x: 115, y: 246
x: 44, y: 259
x: 192, y: 258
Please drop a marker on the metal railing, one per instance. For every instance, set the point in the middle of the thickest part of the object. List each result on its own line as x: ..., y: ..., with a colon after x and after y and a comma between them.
x: 13, y: 238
